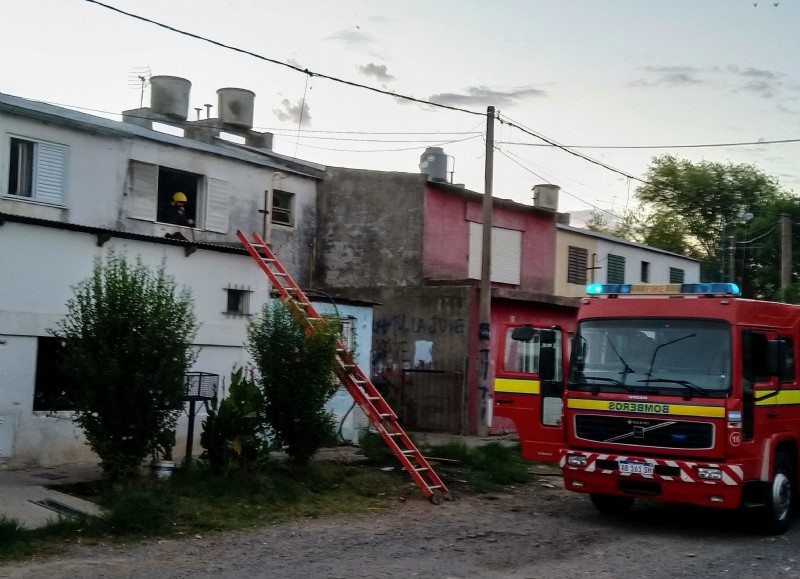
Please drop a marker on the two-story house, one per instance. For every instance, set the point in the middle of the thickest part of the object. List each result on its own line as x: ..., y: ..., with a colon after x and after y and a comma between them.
x: 413, y: 245
x: 74, y: 187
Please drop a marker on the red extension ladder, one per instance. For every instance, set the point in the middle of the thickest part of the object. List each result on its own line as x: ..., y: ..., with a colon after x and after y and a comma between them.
x: 363, y: 391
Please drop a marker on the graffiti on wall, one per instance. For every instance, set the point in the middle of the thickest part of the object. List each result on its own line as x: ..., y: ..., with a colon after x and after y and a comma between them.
x: 402, y: 324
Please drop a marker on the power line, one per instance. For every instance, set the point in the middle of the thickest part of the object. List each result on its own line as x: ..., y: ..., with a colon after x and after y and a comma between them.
x: 284, y: 64
x: 695, y: 146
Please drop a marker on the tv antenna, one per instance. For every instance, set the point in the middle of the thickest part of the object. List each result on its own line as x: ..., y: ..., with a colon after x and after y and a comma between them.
x: 139, y: 78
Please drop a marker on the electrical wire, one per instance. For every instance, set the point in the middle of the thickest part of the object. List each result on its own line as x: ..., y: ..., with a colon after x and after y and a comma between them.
x: 283, y: 64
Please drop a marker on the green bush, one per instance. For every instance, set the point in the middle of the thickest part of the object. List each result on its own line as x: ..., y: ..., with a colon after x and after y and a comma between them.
x: 137, y: 511
x: 127, y: 345
x: 234, y: 434
x: 295, y: 365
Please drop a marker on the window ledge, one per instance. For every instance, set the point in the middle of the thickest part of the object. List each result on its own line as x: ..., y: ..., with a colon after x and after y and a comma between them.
x: 32, y: 201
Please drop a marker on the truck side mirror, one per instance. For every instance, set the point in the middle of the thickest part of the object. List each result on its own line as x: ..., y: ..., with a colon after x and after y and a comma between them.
x: 523, y: 334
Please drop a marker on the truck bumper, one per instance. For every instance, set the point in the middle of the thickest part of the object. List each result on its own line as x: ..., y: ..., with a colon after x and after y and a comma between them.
x: 704, y: 484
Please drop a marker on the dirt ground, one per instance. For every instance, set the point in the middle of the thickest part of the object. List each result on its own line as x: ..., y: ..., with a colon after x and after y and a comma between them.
x: 537, y: 531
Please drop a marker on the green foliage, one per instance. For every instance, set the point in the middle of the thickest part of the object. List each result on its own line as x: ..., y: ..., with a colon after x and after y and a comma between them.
x: 704, y: 196
x: 13, y: 538
x: 132, y: 510
x: 234, y: 434
x: 295, y: 366
x: 127, y: 345
x: 489, y: 467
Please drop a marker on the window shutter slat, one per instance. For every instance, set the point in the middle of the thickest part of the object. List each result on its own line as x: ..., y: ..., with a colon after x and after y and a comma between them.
x: 142, y: 191
x: 217, y: 206
x: 50, y: 164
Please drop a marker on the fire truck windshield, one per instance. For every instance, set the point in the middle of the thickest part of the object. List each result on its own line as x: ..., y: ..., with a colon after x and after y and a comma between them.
x: 680, y: 357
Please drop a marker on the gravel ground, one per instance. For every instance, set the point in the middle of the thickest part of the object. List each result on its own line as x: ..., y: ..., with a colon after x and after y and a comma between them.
x: 537, y: 531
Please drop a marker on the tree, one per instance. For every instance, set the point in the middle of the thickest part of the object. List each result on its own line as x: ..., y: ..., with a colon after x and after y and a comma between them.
x: 127, y: 343
x: 295, y: 366
x: 696, y: 202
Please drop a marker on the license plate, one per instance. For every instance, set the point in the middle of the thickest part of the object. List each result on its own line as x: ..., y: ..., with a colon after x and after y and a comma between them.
x: 632, y: 467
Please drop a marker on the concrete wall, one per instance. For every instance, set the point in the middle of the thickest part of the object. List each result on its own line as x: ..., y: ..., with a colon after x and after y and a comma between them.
x: 370, y: 229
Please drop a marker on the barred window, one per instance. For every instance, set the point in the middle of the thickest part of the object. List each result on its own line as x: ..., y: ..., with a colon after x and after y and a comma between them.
x: 676, y: 275
x: 616, y: 269
x: 576, y: 268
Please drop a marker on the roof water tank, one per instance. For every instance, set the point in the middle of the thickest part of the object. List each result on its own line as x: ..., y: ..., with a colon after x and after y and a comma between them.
x: 169, y: 96
x: 433, y: 162
x: 546, y: 196
x: 235, y: 107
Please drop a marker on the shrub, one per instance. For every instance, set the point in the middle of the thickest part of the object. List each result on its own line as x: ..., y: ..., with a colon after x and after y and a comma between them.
x: 127, y: 338
x: 295, y: 365
x: 234, y: 433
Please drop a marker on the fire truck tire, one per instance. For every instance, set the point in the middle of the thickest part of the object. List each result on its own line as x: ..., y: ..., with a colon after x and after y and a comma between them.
x: 776, y: 514
x: 611, y: 504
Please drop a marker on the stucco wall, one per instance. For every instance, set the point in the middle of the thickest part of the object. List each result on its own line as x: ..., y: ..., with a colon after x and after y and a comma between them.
x: 97, y: 182
x: 370, y: 229
x: 37, y: 279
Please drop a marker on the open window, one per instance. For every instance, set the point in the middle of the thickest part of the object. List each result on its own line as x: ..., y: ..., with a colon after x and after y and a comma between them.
x: 283, y: 208
x: 150, y: 191
x: 37, y: 170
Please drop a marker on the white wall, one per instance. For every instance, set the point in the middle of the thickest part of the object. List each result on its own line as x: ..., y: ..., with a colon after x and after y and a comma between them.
x: 351, y: 420
x: 38, y: 268
x: 660, y: 262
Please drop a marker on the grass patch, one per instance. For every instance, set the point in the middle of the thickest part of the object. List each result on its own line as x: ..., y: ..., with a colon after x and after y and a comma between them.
x: 195, y: 500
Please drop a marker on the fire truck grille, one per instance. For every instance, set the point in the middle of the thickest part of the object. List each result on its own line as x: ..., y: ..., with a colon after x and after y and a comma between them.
x: 643, y: 432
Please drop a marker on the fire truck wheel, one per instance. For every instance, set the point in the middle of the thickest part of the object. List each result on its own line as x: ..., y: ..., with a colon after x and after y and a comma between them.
x: 611, y: 504
x: 777, y: 512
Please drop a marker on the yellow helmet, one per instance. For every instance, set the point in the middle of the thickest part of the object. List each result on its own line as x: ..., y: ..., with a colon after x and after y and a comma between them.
x: 179, y: 197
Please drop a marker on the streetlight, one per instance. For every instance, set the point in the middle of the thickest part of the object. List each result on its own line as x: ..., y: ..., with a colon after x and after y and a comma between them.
x: 743, y: 219
x: 267, y: 211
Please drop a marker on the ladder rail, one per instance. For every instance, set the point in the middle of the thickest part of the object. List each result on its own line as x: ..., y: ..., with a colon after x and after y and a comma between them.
x: 358, y: 385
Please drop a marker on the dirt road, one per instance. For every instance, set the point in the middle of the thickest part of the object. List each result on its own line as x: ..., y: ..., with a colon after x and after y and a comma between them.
x: 539, y: 531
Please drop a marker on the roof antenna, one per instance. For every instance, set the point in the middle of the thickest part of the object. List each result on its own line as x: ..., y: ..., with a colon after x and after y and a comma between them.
x: 139, y: 78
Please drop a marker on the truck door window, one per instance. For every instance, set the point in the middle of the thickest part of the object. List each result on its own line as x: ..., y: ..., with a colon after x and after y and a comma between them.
x: 523, y: 356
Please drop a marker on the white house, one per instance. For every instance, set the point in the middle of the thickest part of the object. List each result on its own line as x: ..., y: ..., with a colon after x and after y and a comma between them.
x: 75, y: 186
x: 584, y: 256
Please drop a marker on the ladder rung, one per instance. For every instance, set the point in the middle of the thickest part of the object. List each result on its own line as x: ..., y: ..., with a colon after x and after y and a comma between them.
x: 407, y: 452
x: 422, y: 469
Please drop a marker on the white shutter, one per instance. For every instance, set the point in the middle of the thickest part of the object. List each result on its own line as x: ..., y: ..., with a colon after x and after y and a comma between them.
x: 142, y: 191
x: 217, y: 206
x: 50, y: 163
x: 506, y: 254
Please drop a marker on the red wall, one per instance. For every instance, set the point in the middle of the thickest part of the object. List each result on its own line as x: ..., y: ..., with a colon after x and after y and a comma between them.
x: 445, y: 248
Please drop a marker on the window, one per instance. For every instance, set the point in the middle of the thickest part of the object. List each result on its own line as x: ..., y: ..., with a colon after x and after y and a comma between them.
x: 282, y: 208
x: 151, y: 187
x: 676, y: 275
x: 616, y: 269
x: 53, y: 389
x: 506, y: 254
x: 36, y: 170
x: 238, y: 300
x: 577, y: 266
x: 347, y: 332
x: 645, y: 277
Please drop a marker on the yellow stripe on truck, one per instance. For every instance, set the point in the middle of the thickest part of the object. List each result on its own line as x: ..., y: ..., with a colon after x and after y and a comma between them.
x: 514, y: 386
x: 643, y: 407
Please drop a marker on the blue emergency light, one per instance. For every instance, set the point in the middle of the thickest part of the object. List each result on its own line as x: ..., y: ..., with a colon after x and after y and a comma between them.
x: 728, y: 289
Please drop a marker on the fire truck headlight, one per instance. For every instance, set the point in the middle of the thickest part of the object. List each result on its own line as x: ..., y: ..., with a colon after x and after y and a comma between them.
x: 709, y: 473
x: 576, y: 460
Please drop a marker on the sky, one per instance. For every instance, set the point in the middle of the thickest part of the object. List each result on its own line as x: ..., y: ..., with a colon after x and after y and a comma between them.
x: 616, y: 81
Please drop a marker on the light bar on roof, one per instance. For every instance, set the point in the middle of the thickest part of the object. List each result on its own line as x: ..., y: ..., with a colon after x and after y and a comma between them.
x: 728, y: 289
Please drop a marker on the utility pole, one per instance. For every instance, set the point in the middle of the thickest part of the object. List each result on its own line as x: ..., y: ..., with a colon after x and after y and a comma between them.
x: 485, y: 297
x: 731, y: 258
x: 786, y: 251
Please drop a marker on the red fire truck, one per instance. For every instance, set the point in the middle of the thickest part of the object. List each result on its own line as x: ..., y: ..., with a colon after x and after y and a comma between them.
x: 684, y: 393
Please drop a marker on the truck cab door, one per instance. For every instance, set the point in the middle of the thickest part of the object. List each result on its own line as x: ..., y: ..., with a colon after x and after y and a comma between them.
x: 529, y: 388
